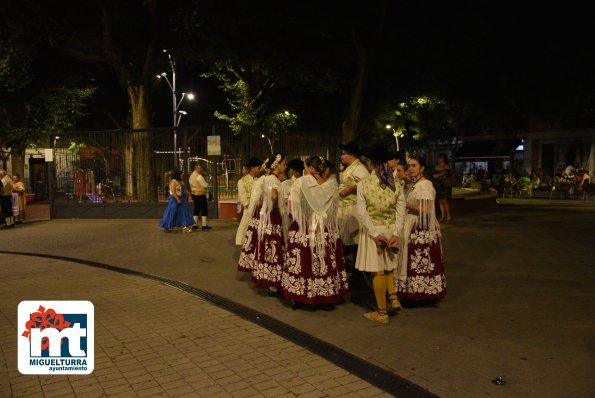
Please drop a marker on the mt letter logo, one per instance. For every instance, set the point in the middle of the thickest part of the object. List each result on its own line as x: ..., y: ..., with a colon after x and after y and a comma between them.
x: 56, y: 337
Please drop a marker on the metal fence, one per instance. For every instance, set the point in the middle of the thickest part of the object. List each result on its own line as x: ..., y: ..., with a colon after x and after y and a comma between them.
x: 136, y: 165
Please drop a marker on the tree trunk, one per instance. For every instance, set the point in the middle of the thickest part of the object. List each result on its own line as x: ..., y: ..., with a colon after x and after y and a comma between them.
x: 139, y: 165
x: 352, y: 121
x: 18, y: 162
x: 366, y: 46
x: 4, y: 159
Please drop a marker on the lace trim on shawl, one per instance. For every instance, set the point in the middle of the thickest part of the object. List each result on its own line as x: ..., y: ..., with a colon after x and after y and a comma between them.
x: 270, y: 182
x: 314, y: 207
x: 424, y: 195
x: 256, y: 195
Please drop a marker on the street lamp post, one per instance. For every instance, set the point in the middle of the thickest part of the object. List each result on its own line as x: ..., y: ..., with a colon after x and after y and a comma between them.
x: 395, y: 134
x: 270, y: 145
x: 176, y: 115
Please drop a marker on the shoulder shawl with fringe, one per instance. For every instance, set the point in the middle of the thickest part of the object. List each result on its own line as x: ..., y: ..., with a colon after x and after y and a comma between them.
x: 424, y: 195
x: 269, y: 183
x: 314, y: 208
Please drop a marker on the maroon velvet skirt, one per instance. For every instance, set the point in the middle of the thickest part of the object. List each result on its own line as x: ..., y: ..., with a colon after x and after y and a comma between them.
x: 263, y: 257
x: 309, y: 278
x: 425, y: 268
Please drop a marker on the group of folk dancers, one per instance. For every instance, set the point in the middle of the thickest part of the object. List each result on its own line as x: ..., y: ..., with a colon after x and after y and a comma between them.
x: 296, y: 234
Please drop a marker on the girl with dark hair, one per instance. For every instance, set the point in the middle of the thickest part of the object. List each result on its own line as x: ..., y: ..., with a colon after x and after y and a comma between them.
x: 177, y: 213
x: 420, y: 275
x: 314, y: 270
x: 264, y: 246
x: 443, y: 181
x: 295, y: 170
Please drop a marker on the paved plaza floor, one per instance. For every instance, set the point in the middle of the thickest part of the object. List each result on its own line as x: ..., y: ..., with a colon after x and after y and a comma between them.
x: 520, y: 306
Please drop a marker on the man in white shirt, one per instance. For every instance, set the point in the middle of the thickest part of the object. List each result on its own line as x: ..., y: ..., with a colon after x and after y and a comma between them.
x: 244, y: 195
x: 347, y: 221
x: 199, y: 188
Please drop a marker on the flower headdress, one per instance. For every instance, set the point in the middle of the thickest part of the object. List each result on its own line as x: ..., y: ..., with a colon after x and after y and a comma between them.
x: 276, y: 161
x: 264, y: 165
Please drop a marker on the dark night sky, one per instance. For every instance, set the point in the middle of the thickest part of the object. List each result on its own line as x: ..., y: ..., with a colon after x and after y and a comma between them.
x: 534, y: 60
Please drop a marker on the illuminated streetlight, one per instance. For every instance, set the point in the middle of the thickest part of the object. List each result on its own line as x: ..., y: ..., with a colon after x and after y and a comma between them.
x: 270, y: 145
x: 395, y: 134
x: 177, y: 116
x: 180, y: 117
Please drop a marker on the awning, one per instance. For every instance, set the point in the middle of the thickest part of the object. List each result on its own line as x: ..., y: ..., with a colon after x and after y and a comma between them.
x: 487, y: 150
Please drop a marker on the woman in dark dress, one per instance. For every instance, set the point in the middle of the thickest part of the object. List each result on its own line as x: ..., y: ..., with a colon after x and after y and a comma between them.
x: 443, y: 185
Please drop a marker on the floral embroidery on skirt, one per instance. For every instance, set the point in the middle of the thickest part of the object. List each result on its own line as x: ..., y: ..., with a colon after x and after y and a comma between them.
x: 308, y: 280
x: 263, y: 258
x: 425, y: 268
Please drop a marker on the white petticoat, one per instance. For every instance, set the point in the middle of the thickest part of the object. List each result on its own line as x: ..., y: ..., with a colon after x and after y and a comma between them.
x: 243, y: 228
x: 348, y: 225
x: 371, y: 258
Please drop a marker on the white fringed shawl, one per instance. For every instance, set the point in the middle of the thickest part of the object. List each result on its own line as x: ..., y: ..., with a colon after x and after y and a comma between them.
x: 256, y: 195
x: 314, y: 208
x: 424, y: 195
x: 270, y: 182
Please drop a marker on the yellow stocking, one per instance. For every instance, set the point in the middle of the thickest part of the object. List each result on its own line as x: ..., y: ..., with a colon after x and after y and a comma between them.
x: 391, y: 289
x: 379, y: 283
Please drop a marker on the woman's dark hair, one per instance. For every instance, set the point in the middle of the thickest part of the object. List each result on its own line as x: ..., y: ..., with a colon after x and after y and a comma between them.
x: 319, y: 164
x: 420, y: 159
x: 296, y: 164
x: 443, y: 155
x: 17, y: 175
x: 177, y: 175
x: 269, y: 164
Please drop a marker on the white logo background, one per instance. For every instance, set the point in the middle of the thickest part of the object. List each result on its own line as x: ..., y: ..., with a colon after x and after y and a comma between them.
x: 26, y: 308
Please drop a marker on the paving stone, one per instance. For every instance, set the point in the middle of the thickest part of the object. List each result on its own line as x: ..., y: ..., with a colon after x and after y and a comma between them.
x: 489, y: 333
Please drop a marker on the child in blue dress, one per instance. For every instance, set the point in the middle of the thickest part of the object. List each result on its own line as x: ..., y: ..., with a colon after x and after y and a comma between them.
x: 177, y: 213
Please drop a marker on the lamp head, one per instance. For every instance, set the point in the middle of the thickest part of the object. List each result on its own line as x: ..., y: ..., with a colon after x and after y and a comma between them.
x: 190, y: 96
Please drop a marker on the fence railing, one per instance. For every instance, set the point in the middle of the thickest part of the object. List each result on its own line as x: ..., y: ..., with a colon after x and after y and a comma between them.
x: 136, y: 165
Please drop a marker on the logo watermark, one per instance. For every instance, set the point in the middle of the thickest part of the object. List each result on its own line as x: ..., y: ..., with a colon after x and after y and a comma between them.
x: 56, y: 337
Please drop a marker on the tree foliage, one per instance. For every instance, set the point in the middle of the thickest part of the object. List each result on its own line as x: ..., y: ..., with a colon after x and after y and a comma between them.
x: 33, y: 102
x: 248, y: 92
x: 246, y: 89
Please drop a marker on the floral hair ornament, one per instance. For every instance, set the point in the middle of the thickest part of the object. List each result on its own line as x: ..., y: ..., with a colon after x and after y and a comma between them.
x: 264, y: 165
x: 322, y: 166
x: 276, y: 162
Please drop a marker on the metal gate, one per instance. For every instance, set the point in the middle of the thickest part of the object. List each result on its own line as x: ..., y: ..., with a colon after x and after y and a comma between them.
x: 134, y: 167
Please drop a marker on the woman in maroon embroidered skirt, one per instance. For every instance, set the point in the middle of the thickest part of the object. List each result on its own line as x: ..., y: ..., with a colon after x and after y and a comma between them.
x: 264, y: 247
x: 314, y: 270
x: 420, y: 275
